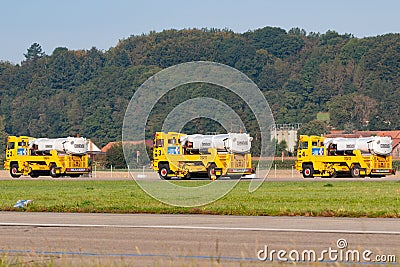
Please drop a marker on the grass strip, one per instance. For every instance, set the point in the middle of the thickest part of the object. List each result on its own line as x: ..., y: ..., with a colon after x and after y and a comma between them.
x: 316, y: 198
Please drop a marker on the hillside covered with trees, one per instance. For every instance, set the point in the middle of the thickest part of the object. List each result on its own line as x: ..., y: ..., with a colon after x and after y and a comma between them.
x: 65, y: 92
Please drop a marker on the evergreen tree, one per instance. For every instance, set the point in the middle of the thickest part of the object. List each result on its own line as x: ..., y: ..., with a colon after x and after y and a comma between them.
x: 355, y: 80
x: 115, y: 157
x: 3, y: 135
x: 34, y: 52
x: 315, y: 127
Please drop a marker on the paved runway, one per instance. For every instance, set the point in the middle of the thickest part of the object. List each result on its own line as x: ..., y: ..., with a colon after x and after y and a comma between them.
x: 160, y: 240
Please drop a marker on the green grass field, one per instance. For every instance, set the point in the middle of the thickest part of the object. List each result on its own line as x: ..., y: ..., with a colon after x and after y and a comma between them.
x: 317, y: 198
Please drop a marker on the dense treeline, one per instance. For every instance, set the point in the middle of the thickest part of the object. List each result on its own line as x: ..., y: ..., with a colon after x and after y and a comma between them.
x: 87, y: 91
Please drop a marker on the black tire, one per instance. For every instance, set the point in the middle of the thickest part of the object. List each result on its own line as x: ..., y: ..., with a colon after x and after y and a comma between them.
x: 334, y: 174
x: 188, y: 176
x: 308, y: 171
x: 53, y: 172
x: 355, y: 171
x: 34, y: 175
x: 211, y: 171
x: 14, y: 171
x: 163, y: 170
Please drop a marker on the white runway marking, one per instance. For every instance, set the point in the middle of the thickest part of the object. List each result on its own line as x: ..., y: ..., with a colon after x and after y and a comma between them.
x: 297, y: 230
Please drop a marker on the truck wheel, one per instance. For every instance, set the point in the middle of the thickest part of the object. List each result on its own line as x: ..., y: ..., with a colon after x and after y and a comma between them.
x: 211, y: 171
x: 53, y: 172
x: 163, y: 171
x: 34, y: 175
x: 188, y: 176
x: 14, y: 171
x: 308, y: 171
x: 355, y: 171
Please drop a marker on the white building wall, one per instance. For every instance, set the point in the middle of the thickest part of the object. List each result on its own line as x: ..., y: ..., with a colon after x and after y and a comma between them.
x: 287, y: 132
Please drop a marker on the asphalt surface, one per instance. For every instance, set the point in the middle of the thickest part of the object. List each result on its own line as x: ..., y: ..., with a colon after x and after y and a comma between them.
x: 191, y: 240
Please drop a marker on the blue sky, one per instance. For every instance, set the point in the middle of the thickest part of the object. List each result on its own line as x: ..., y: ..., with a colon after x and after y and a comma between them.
x: 101, y: 23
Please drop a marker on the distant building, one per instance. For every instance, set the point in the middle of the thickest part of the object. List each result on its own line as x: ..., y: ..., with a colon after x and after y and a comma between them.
x: 286, y: 132
x: 148, y: 143
x: 92, y: 147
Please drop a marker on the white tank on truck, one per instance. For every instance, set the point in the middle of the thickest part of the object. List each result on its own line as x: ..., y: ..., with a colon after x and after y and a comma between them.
x: 230, y: 142
x: 68, y: 145
x: 375, y: 145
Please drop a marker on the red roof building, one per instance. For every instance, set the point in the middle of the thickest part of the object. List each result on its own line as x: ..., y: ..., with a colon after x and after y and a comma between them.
x: 149, y: 143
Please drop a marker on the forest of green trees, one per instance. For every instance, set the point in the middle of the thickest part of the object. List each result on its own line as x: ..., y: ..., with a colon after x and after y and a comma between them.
x: 65, y: 92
